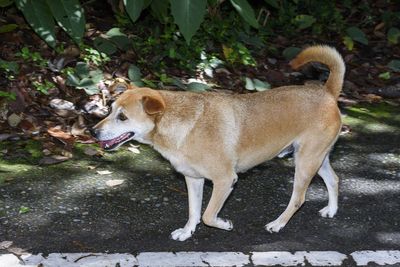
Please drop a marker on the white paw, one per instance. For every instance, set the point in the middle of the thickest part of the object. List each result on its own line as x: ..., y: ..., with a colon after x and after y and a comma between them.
x: 181, y: 234
x: 275, y: 226
x: 328, y: 211
x: 224, y: 224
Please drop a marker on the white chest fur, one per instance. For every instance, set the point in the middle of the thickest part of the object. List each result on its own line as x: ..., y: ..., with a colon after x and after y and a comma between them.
x: 181, y: 164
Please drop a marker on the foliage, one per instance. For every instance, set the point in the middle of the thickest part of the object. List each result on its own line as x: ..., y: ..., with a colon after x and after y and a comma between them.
x: 113, y: 40
x: 393, y: 35
x: 394, y: 65
x: 84, y: 78
x: 290, y: 52
x: 9, y: 67
x: 69, y: 15
x: 91, y: 55
x: 135, y: 75
x: 43, y: 87
x: 238, y: 53
x: 8, y: 96
x: 41, y: 14
x: 34, y: 57
x: 256, y: 84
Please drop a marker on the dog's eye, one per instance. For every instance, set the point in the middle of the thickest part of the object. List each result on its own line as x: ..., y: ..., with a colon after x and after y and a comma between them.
x: 122, y: 117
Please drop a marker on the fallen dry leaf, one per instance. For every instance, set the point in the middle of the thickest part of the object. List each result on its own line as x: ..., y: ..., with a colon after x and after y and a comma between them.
x: 14, y: 120
x: 115, y: 182
x: 90, y: 151
x: 52, y: 160
x: 58, y: 103
x: 5, y: 244
x: 104, y: 172
x: 134, y: 149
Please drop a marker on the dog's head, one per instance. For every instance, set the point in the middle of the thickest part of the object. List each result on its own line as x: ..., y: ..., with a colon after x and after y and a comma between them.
x: 132, y: 116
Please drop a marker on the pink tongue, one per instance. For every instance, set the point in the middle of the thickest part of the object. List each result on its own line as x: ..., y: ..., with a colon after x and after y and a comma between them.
x: 111, y: 142
x: 104, y: 143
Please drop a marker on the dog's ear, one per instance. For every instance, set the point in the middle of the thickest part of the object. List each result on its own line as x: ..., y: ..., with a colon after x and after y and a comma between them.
x: 153, y: 104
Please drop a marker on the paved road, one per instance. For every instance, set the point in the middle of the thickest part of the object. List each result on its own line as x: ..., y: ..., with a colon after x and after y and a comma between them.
x: 73, y: 210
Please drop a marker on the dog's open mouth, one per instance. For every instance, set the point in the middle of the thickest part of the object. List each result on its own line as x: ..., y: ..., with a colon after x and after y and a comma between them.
x: 115, y: 142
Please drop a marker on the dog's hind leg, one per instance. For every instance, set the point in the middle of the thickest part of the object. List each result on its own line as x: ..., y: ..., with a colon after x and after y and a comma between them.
x: 221, y: 190
x: 331, y: 181
x: 195, y: 195
x: 308, y: 158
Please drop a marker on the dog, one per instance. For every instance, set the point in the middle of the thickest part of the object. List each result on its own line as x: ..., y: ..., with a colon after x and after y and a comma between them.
x: 215, y: 136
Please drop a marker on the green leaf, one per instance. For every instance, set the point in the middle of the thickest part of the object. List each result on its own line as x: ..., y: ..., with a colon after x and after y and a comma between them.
x: 393, y: 35
x: 72, y: 80
x: 394, y: 65
x: 385, y: 75
x: 348, y: 42
x: 134, y: 73
x: 290, y: 52
x: 260, y: 85
x: 304, y: 21
x: 8, y: 28
x: 197, y: 87
x: 9, y: 66
x: 159, y: 10
x: 119, y: 38
x: 23, y: 210
x: 8, y: 96
x: 177, y: 82
x: 82, y: 69
x: 249, y: 84
x: 38, y: 15
x: 273, y: 3
x: 357, y: 35
x: 134, y: 8
x: 188, y: 15
x: 105, y: 45
x: 96, y: 76
x: 246, y: 11
x: 70, y: 16
x: 5, y: 3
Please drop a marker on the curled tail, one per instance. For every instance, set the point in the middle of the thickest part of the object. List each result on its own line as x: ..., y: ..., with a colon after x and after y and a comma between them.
x: 328, y: 56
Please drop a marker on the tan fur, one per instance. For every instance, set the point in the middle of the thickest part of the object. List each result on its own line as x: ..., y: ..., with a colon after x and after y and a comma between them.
x: 215, y: 136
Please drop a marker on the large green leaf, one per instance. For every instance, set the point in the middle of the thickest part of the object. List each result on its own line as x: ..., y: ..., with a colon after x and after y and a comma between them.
x: 357, y: 35
x: 188, y: 15
x: 38, y: 15
x: 159, y: 9
x: 246, y: 11
x: 134, y: 8
x: 105, y: 45
x: 135, y: 75
x: 197, y: 87
x: 119, y: 38
x: 70, y: 16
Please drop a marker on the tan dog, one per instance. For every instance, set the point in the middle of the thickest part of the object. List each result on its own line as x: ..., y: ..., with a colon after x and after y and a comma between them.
x: 216, y: 136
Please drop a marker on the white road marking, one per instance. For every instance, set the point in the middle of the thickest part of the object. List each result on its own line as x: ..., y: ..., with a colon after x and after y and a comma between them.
x: 270, y: 258
x: 193, y: 259
x: 380, y: 257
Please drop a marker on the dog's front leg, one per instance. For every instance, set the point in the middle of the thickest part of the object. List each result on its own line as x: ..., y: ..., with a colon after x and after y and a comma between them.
x: 195, y: 194
x: 222, y: 189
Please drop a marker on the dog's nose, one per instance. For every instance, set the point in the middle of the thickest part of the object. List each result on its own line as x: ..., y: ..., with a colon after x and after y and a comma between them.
x: 94, y: 132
